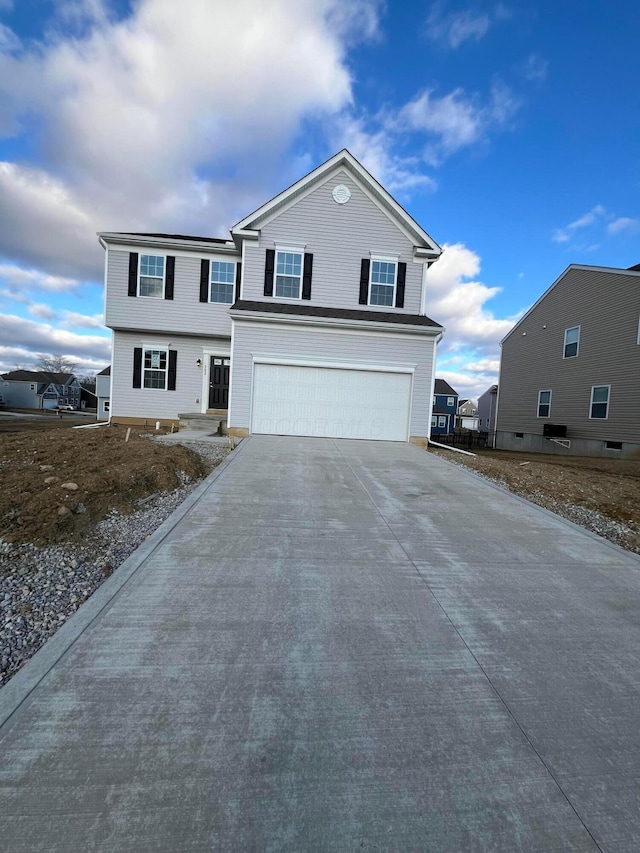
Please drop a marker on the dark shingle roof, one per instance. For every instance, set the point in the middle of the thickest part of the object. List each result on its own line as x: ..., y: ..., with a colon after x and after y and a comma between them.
x: 334, y: 313
x: 105, y: 372
x: 37, y: 376
x: 172, y: 236
x: 442, y: 387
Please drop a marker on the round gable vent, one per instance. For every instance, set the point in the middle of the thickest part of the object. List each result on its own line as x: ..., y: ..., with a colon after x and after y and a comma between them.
x: 341, y: 194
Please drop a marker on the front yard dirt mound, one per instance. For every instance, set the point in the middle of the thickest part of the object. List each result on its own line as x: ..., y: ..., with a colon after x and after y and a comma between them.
x: 600, y: 494
x: 58, y: 484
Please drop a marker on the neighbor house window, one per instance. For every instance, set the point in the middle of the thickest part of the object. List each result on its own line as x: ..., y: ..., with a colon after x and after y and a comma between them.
x: 155, y: 369
x: 32, y: 387
x: 613, y: 445
x: 382, y: 285
x: 434, y: 421
x: 223, y: 276
x: 450, y: 401
x: 442, y: 421
x: 288, y: 274
x: 571, y: 341
x: 151, y: 276
x: 544, y: 404
x: 600, y: 401
x: 105, y: 406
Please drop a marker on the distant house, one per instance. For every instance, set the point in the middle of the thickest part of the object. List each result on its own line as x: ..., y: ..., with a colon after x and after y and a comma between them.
x: 570, y: 367
x: 445, y: 406
x: 487, y: 410
x: 103, y: 393
x: 38, y: 389
x: 467, y: 415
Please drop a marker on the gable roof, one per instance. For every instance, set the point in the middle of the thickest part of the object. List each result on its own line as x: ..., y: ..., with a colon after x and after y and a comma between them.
x: 634, y: 271
x: 105, y: 372
x: 40, y: 376
x: 442, y: 387
x: 379, y: 195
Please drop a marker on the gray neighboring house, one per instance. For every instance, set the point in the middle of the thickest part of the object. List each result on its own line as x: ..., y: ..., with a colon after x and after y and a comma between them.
x: 38, y: 389
x: 570, y: 368
x: 103, y: 394
x: 487, y: 410
x: 309, y: 320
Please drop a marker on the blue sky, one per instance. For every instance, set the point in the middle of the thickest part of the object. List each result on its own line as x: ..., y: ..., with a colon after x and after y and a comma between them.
x: 510, y: 131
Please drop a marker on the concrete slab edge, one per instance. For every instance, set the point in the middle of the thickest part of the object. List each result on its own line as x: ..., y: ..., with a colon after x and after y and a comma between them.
x: 18, y: 689
x: 619, y: 549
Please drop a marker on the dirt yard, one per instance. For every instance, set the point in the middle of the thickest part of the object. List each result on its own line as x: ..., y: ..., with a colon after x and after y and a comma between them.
x: 57, y: 483
x: 600, y: 494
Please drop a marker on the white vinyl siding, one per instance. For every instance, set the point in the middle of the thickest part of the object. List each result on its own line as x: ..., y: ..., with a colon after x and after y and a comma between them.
x: 339, y: 236
x: 326, y: 346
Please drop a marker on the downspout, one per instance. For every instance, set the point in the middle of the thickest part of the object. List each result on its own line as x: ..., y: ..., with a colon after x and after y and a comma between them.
x: 104, y: 310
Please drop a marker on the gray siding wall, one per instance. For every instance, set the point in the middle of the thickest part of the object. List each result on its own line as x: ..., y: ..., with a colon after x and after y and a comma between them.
x: 130, y: 402
x: 183, y: 314
x: 338, y: 236
x: 487, y: 411
x: 19, y: 394
x: 296, y: 342
x: 607, y: 307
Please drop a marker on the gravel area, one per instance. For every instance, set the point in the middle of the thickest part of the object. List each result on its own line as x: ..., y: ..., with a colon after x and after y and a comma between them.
x: 41, y: 587
x: 626, y: 536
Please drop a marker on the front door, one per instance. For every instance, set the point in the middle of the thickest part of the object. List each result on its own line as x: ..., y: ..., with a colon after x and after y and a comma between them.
x: 219, y: 382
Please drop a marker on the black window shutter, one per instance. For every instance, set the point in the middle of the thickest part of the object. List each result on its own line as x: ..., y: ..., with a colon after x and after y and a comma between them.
x: 204, y: 280
x: 238, y: 279
x: 169, y: 275
x: 402, y: 276
x: 133, y: 273
x: 171, y: 376
x: 364, y: 281
x: 137, y: 367
x: 269, y: 266
x: 306, y: 276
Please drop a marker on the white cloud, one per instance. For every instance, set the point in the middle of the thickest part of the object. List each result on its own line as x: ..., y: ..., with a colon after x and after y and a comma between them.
x: 456, y: 120
x: 22, y: 341
x: 623, y: 223
x: 457, y: 300
x: 9, y: 41
x: 139, y: 118
x: 17, y: 278
x: 42, y: 311
x: 486, y: 365
x: 73, y: 320
x: 563, y: 235
x: 456, y: 27
x: 536, y: 68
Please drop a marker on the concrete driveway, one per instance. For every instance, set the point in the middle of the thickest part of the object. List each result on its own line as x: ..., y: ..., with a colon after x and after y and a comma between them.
x: 339, y: 646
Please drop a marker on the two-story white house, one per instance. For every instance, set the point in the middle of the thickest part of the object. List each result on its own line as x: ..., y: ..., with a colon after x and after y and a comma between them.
x: 310, y: 320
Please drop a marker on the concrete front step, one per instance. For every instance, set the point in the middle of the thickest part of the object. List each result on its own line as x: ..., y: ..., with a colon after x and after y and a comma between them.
x: 212, y: 424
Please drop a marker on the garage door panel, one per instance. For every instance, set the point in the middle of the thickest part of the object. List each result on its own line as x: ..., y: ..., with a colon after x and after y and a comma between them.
x: 331, y: 402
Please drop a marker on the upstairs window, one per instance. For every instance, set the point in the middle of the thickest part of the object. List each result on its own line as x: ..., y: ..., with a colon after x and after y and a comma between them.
x: 383, y: 283
x: 450, y: 401
x: 155, y: 369
x: 151, y: 276
x: 288, y: 274
x: 571, y: 342
x: 223, y: 276
x: 544, y: 404
x: 600, y: 402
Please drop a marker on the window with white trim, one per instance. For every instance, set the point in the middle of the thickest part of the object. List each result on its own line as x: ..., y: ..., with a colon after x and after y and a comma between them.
x: 223, y: 278
x: 599, y: 408
x: 544, y: 404
x: 151, y: 276
x: 442, y: 421
x: 105, y: 405
x: 154, y: 368
x: 288, y: 274
x: 382, y: 282
x: 571, y: 342
x: 450, y: 401
x: 434, y: 421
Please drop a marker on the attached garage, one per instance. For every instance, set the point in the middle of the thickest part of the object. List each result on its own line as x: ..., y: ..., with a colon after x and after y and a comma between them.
x: 49, y: 402
x: 333, y: 401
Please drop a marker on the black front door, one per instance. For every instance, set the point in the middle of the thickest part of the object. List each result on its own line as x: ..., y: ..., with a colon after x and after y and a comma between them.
x: 219, y: 382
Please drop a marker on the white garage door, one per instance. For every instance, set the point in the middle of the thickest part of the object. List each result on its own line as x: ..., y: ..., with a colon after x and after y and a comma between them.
x: 330, y: 402
x: 49, y: 402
